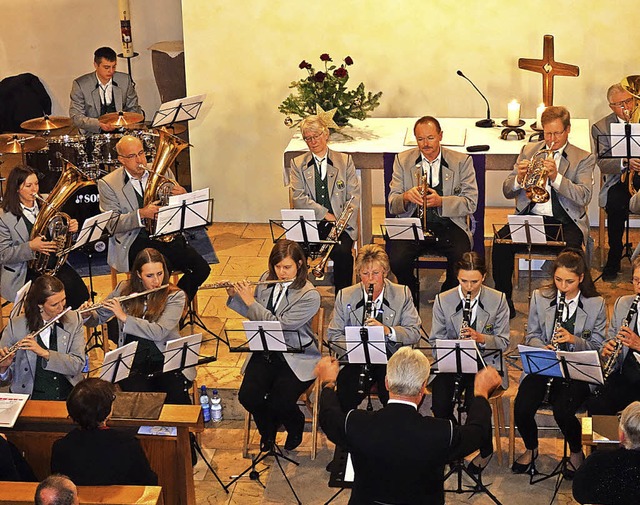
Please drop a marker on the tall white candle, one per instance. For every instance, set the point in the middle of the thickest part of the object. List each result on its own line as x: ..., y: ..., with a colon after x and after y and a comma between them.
x: 539, y: 112
x: 125, y: 28
x: 513, y: 113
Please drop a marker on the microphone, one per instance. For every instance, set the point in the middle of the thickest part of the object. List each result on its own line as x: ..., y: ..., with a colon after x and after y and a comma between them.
x: 483, y: 123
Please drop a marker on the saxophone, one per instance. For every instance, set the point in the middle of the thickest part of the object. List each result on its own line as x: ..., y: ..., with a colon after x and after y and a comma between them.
x: 554, y: 341
x: 159, y: 186
x: 338, y: 227
x: 369, y: 313
x: 52, y: 224
x: 609, y: 365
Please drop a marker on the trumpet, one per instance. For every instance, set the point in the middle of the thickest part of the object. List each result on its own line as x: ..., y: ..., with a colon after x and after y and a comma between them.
x: 122, y: 298
x: 535, y: 181
x: 16, y: 347
x: 229, y: 284
x: 338, y: 227
x: 609, y: 365
x: 422, y: 210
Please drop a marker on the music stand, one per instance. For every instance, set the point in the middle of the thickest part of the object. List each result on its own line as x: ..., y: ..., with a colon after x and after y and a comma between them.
x: 581, y: 366
x: 181, y: 109
x: 529, y: 230
x: 461, y: 356
x: 19, y: 301
x: 267, y: 337
x: 116, y: 364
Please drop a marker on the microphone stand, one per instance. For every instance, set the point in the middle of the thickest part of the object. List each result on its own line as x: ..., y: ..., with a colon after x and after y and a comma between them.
x: 482, y: 123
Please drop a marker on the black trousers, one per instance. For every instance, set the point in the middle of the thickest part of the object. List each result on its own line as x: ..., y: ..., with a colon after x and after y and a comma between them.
x: 617, y: 209
x: 565, y: 397
x: 502, y: 255
x: 349, y: 381
x: 180, y: 256
x: 270, y: 391
x: 442, y: 389
x: 74, y: 287
x: 452, y: 242
x: 175, y: 384
x: 614, y: 396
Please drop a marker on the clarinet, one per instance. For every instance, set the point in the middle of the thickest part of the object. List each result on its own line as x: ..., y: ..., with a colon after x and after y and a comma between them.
x: 554, y: 341
x: 610, y: 364
x: 369, y: 313
x: 466, y: 322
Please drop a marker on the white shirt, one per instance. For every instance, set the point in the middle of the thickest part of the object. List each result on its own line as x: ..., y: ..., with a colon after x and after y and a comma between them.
x: 322, y: 163
x: 106, y: 91
x: 278, y: 294
x: 403, y: 402
x: 474, y: 303
x: 571, y: 305
x: 432, y: 169
x: 378, y: 302
x: 30, y: 213
x: 138, y: 188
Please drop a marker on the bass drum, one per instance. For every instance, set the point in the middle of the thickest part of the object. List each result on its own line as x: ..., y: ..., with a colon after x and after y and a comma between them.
x: 84, y: 204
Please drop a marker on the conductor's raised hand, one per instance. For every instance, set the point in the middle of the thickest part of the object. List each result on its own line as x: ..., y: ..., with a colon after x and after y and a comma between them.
x: 327, y: 369
x: 486, y: 381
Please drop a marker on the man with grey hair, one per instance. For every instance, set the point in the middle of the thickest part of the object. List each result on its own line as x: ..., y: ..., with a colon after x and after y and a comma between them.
x: 614, y: 194
x: 325, y: 180
x: 613, y: 477
x: 399, y: 455
x: 57, y: 489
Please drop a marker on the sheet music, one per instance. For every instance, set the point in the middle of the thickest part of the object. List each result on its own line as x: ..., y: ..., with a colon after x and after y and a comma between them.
x: 291, y: 222
x: 518, y: 230
x: 274, y: 335
x: 175, y: 348
x: 11, y: 404
x: 19, y: 301
x: 619, y: 142
x: 401, y: 228
x: 187, y: 108
x: 540, y: 361
x: 583, y: 366
x: 195, y: 196
x: 376, y: 344
x: 86, y: 235
x: 446, y: 355
x: 108, y: 364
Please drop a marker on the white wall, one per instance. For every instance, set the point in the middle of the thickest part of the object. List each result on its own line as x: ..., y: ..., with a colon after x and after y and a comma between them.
x: 244, y: 55
x: 55, y: 40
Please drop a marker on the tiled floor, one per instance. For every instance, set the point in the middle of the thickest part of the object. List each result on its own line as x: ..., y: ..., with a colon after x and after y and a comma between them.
x: 243, y: 250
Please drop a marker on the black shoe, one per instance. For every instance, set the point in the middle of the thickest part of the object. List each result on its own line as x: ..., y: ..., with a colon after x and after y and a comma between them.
x: 526, y: 468
x: 610, y: 272
x: 293, y: 441
x: 512, y: 309
x: 474, y: 469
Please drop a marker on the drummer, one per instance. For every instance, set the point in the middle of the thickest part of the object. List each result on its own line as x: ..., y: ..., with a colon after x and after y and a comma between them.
x: 102, y: 92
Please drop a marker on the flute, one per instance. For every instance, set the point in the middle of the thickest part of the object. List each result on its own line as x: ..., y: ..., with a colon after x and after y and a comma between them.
x: 229, y: 284
x: 16, y: 347
x: 122, y: 298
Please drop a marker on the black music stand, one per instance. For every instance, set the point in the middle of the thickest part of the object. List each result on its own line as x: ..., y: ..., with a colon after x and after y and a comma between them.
x: 116, y: 364
x: 570, y: 366
x: 181, y: 109
x: 529, y: 230
x: 301, y: 226
x: 627, y: 145
x: 461, y: 356
x: 267, y: 337
x: 95, y: 229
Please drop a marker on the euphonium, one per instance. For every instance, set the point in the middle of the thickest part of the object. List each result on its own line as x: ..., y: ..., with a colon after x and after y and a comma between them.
x: 631, y: 85
x: 338, y: 227
x: 159, y: 186
x: 535, y: 181
x: 52, y: 224
x: 610, y: 364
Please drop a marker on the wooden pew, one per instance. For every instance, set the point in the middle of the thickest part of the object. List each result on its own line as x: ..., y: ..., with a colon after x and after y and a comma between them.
x: 43, y: 422
x: 22, y: 493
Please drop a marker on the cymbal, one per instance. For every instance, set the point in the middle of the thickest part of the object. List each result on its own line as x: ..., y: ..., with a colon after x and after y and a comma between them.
x: 176, y: 128
x: 10, y: 143
x: 122, y: 119
x: 47, y: 123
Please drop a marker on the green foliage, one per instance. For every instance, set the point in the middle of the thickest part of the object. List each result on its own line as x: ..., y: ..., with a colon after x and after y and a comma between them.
x: 328, y: 89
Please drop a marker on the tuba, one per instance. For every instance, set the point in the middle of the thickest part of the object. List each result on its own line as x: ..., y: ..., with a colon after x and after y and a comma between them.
x: 535, y: 181
x: 52, y: 224
x: 159, y: 186
x: 631, y: 85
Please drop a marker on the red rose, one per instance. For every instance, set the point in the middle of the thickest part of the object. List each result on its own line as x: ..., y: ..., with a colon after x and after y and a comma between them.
x: 304, y: 64
x: 340, y: 72
x: 325, y: 57
x: 319, y: 76
x: 348, y: 60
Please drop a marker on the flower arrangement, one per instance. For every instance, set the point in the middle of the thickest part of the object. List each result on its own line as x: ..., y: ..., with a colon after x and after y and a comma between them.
x: 327, y: 90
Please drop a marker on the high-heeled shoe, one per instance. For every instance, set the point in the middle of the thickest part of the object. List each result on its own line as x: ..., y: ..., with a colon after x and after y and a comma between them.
x: 528, y: 467
x: 474, y: 469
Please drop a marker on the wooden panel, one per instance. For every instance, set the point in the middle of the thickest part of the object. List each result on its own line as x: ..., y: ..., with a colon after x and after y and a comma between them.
x: 23, y: 493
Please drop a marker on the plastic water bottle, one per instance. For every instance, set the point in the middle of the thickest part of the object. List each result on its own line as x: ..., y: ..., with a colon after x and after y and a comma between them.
x: 204, y: 402
x: 216, y: 407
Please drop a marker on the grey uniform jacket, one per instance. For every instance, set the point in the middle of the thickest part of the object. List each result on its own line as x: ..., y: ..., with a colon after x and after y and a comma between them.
x: 15, y: 253
x: 165, y: 328
x: 610, y: 168
x: 342, y: 183
x: 492, y: 320
x: 398, y: 312
x: 576, y: 167
x: 620, y: 311
x: 295, y: 312
x: 459, y: 186
x: 121, y: 198
x: 590, y: 324
x: 84, y: 108
x: 67, y: 360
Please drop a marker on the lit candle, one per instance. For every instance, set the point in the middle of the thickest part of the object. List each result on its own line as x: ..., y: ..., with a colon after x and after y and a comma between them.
x: 513, y: 113
x: 539, y: 112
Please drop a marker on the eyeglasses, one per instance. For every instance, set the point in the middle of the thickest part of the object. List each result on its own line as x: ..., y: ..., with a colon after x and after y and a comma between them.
x: 554, y: 134
x: 624, y: 103
x: 312, y: 138
x: 430, y: 138
x: 132, y: 156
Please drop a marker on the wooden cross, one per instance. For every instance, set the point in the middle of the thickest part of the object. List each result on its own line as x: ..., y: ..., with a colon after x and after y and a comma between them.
x: 549, y: 68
